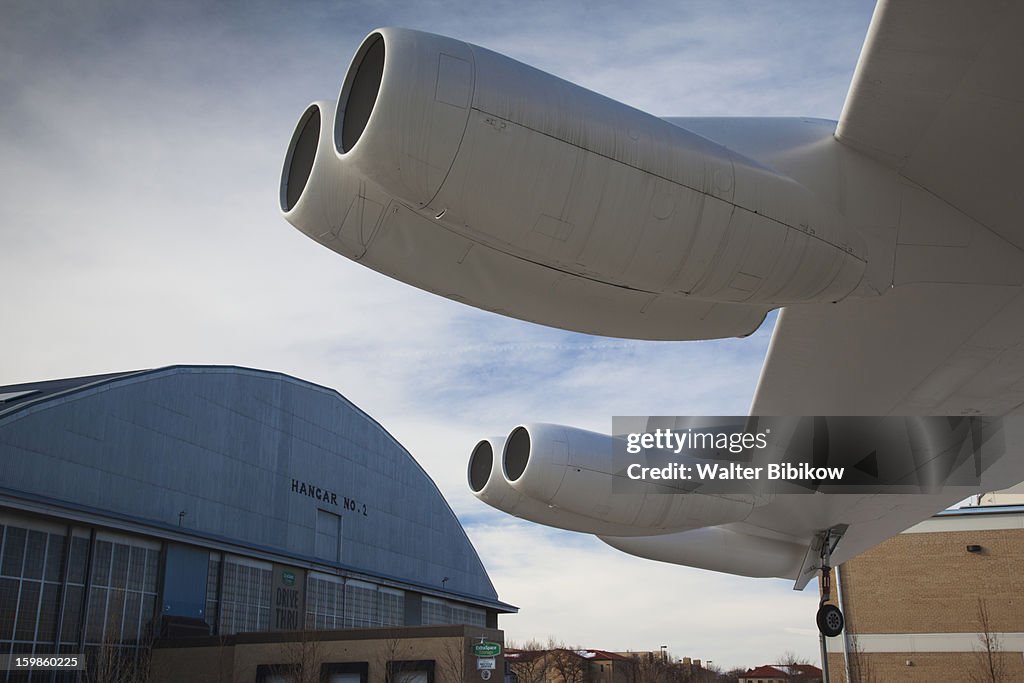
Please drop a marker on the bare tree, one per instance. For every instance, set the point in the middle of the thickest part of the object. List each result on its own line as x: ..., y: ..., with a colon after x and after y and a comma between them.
x: 392, y: 655
x: 110, y: 663
x: 570, y: 666
x: 790, y: 659
x: 859, y: 663
x: 648, y: 667
x: 635, y: 669
x: 303, y: 657
x: 732, y: 675
x: 709, y: 673
x: 990, y: 652
x: 225, y: 664
x: 115, y: 662
x: 530, y: 663
x: 452, y: 660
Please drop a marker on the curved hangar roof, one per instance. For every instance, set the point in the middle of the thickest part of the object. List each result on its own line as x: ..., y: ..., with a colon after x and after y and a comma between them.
x: 252, y: 457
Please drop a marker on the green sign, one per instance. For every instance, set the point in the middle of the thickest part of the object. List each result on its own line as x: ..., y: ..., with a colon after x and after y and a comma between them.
x: 287, y: 578
x: 486, y: 649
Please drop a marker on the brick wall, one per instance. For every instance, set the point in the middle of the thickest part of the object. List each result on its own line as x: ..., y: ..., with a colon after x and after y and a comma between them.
x: 929, y: 583
x: 926, y: 667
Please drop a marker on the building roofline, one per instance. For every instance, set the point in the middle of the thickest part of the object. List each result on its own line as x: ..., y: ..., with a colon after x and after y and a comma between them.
x: 981, y: 510
x: 41, y: 391
x: 91, y: 383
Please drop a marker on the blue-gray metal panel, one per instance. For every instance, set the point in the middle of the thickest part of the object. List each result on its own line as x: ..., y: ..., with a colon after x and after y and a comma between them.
x: 185, y: 581
x: 223, y: 444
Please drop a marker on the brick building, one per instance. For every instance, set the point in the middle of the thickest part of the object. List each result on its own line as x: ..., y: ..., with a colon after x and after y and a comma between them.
x: 411, y: 654
x: 571, y: 665
x: 564, y: 665
x: 943, y: 601
x: 782, y: 673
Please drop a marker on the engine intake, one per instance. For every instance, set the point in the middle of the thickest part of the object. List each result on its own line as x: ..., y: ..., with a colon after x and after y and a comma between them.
x: 359, y: 93
x: 298, y: 163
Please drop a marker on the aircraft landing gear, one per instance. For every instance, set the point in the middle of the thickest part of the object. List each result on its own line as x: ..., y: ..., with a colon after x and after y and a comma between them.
x: 830, y: 618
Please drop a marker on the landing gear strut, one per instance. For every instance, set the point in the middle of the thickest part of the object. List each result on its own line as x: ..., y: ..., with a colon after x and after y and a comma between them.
x: 830, y: 618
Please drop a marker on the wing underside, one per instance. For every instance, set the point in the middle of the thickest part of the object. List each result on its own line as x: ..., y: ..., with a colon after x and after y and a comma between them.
x: 938, y: 97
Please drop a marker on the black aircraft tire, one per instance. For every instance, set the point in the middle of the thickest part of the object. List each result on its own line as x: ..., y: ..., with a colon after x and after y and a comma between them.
x: 830, y: 620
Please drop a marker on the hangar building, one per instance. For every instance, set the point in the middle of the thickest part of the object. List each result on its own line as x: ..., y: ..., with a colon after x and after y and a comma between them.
x: 193, y: 500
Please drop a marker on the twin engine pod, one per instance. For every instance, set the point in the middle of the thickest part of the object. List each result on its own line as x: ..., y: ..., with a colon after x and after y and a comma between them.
x: 471, y: 175
x: 565, y: 477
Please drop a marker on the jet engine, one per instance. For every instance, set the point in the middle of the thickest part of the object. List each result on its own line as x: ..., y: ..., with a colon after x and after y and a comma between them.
x: 474, y: 176
x: 567, y: 478
x: 489, y: 485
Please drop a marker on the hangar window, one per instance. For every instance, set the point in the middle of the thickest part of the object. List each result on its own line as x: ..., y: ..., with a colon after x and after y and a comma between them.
x: 392, y: 606
x: 437, y: 611
x: 245, y: 602
x: 30, y: 563
x: 122, y: 593
x: 331, y: 603
x: 473, y: 616
x: 75, y: 590
x: 361, y: 605
x: 325, y: 601
x: 212, y: 581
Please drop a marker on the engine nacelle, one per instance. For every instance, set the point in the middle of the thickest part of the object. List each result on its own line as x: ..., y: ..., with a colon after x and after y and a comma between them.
x: 719, y: 549
x: 571, y: 472
x: 489, y: 485
x: 479, y: 178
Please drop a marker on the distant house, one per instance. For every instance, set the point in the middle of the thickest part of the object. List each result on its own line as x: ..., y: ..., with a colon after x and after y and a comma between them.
x: 567, y: 665
x: 562, y: 665
x: 782, y: 673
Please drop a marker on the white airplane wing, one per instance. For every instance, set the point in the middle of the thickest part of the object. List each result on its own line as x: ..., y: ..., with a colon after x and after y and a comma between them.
x: 938, y: 96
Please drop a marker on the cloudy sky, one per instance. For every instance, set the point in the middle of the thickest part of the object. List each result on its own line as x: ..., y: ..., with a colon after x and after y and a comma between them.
x: 140, y: 151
